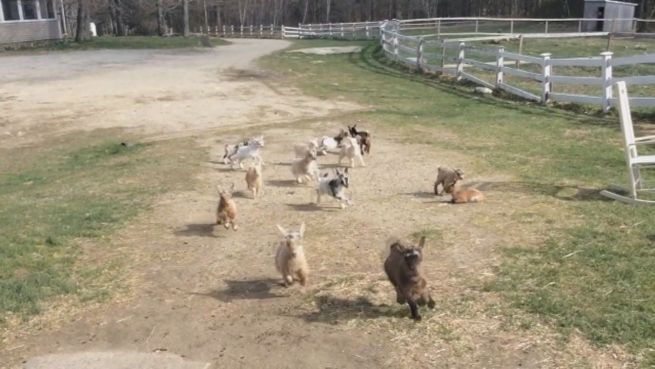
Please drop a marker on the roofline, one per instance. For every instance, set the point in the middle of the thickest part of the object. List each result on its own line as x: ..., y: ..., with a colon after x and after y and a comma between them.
x: 610, y: 1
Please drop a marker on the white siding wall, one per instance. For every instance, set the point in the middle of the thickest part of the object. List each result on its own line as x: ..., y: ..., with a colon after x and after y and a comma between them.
x: 28, y: 30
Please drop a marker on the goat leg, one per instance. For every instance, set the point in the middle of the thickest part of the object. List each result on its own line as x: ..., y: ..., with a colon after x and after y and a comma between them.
x: 414, y: 310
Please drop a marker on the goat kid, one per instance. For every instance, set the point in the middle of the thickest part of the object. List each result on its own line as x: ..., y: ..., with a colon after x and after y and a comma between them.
x: 465, y: 195
x: 363, y: 138
x: 402, y: 267
x: 447, y: 177
x: 334, y: 187
x: 249, y: 151
x: 305, y: 169
x: 226, y: 212
x: 350, y: 149
x: 328, y: 144
x: 254, y: 180
x: 231, y: 149
x: 290, y: 257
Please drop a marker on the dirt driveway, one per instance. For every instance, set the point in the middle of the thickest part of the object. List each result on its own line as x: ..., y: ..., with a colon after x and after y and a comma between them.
x: 212, y: 296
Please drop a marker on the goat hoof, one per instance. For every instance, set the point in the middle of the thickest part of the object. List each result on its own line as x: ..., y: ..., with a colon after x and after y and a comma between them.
x: 235, y: 227
x: 417, y: 318
x: 431, y: 304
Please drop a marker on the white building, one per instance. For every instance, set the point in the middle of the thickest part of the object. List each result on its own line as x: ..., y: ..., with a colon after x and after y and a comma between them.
x: 613, y: 16
x: 29, y: 20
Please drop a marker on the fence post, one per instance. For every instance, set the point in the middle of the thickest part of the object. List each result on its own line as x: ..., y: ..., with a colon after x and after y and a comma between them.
x: 251, y: 30
x: 546, y: 27
x: 518, y: 62
x: 395, y: 46
x: 261, y: 30
x: 607, y: 80
x: 241, y: 30
x: 232, y: 29
x: 272, y: 30
x: 439, y: 28
x: 282, y: 32
x: 342, y: 30
x: 368, y: 34
x: 460, y: 61
x: 477, y: 25
x: 223, y: 30
x: 419, y: 56
x: 580, y: 26
x: 511, y: 26
x: 500, y: 64
x: 546, y: 86
x: 443, y: 56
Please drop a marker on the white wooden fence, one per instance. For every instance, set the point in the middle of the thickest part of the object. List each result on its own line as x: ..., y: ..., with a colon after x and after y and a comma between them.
x: 429, y: 55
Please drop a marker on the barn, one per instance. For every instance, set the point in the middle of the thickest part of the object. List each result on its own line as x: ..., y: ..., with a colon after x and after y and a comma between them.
x: 28, y: 21
x: 612, y: 16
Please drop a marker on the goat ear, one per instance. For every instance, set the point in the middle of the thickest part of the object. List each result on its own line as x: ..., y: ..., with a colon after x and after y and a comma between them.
x: 421, y: 243
x: 302, y: 230
x: 281, y: 229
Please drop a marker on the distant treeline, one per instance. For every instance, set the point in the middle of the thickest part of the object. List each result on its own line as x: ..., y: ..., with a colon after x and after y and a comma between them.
x: 149, y: 17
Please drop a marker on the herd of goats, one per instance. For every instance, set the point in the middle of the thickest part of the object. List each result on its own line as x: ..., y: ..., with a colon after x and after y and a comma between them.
x: 402, y: 265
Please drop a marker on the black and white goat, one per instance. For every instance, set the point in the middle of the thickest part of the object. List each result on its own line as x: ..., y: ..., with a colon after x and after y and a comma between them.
x: 244, y: 152
x: 334, y: 187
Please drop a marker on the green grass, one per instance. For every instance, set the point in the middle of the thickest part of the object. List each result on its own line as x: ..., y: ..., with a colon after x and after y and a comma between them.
x: 83, y: 189
x: 595, y: 273
x: 129, y: 42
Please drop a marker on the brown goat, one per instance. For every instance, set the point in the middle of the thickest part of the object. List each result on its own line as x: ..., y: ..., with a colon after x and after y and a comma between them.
x: 254, y: 179
x: 403, y: 270
x: 363, y: 138
x: 447, y: 177
x: 463, y: 195
x: 226, y: 212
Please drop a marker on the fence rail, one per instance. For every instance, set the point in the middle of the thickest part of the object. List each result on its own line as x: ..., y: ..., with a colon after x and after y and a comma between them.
x: 470, y: 65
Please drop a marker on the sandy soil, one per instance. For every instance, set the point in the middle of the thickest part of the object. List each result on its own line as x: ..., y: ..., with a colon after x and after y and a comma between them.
x: 213, y: 296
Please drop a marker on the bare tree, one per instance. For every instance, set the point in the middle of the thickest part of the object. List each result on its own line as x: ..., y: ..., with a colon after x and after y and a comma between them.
x: 185, y: 16
x: 83, y: 30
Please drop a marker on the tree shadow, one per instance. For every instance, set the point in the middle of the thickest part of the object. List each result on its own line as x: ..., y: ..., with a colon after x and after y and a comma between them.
x: 254, y: 289
x: 242, y: 194
x: 311, y: 206
x: 421, y: 194
x: 560, y: 192
x: 333, y: 310
x: 282, y: 183
x: 197, y: 230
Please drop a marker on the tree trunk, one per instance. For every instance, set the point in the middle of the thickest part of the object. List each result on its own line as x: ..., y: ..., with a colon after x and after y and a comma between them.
x: 204, y: 7
x: 218, y: 17
x: 328, y: 4
x: 186, y: 18
x: 83, y: 30
x: 161, y: 20
x: 304, y: 13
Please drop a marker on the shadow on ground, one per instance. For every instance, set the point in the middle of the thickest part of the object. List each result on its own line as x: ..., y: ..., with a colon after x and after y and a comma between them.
x: 253, y: 289
x: 197, y: 230
x: 332, y: 310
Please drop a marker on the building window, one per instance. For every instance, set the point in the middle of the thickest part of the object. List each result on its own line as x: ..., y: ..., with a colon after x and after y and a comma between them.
x: 10, y: 10
x: 47, y: 9
x: 29, y: 9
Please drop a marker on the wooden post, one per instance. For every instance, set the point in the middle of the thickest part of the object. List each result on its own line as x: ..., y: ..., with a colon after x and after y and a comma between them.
x: 419, y: 56
x: 580, y: 26
x: 342, y: 30
x: 368, y: 34
x: 352, y: 36
x: 609, y: 42
x: 439, y: 28
x: 546, y: 86
x: 477, y: 25
x: 546, y: 27
x: 282, y: 32
x: 261, y: 30
x: 224, y: 30
x: 607, y: 80
x: 518, y: 62
x: 395, y: 46
x: 232, y: 29
x: 460, y: 61
x: 330, y: 29
x: 511, y: 26
x: 443, y: 56
x: 500, y: 63
x: 251, y: 30
x: 241, y: 30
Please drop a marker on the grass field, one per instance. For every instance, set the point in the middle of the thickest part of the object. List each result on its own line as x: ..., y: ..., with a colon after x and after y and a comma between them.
x: 130, y: 42
x: 83, y: 186
x: 595, y: 272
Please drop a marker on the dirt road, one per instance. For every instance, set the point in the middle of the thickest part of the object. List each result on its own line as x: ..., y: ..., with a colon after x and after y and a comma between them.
x: 212, y: 296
